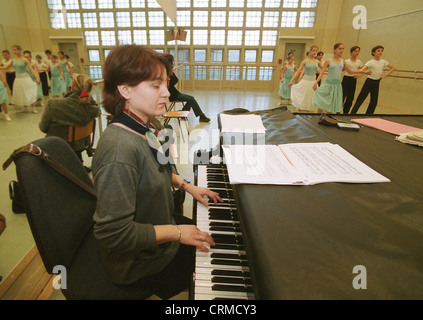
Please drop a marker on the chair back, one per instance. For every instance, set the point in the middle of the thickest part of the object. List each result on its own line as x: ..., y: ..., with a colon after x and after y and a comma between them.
x: 78, y: 133
x: 59, y: 212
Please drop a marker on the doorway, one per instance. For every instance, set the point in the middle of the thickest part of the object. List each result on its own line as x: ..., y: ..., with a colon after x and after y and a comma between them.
x: 299, y: 52
x: 71, y: 49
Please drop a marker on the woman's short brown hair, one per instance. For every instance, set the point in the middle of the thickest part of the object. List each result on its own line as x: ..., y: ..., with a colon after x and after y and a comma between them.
x: 130, y: 65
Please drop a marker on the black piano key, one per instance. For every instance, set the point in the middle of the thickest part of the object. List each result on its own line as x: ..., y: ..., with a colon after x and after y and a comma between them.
x: 222, y: 246
x: 219, y: 185
x: 224, y: 224
x: 221, y: 299
x: 228, y: 256
x: 232, y: 288
x: 224, y: 262
x: 227, y: 238
x: 230, y: 273
x: 225, y: 229
x: 233, y: 280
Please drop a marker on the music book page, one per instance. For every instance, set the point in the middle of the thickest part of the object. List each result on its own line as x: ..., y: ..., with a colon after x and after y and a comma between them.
x: 296, y: 164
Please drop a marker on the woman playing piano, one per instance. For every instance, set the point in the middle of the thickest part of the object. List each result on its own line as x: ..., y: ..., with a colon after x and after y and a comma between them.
x: 141, y: 240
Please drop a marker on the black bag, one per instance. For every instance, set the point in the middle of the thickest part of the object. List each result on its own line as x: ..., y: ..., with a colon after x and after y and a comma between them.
x: 16, y: 197
x: 178, y: 200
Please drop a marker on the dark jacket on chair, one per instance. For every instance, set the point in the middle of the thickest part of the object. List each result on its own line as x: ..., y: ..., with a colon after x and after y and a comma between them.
x: 61, y: 113
x: 174, y: 93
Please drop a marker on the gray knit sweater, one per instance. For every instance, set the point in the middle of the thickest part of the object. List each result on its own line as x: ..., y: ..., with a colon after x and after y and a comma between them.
x: 133, y: 194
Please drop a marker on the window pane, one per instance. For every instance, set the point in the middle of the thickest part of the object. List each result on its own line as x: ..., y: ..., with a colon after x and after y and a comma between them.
x: 185, y: 72
x: 267, y: 56
x: 152, y: 4
x: 250, y: 55
x: 236, y: 19
x: 183, y: 55
x: 216, y: 72
x: 71, y: 4
x: 201, y: 18
x: 122, y: 19
x: 57, y: 20
x: 290, y: 3
x: 108, y: 38
x: 183, y: 3
x: 138, y: 19
x: 95, y: 72
x: 140, y: 37
x: 94, y: 55
x: 218, y: 3
x: 233, y: 73
x: 252, y: 37
x: 105, y: 4
x: 91, y: 38
x: 236, y: 3
x: 218, y: 19
x: 307, y: 19
x: 88, y: 4
x: 217, y: 37
x: 183, y: 18
x: 216, y: 55
x: 156, y: 37
x: 124, y: 37
x: 201, y: 3
x: 200, y: 72
x: 253, y: 19
x: 200, y: 37
x: 269, y: 38
x: 90, y: 19
x: 122, y: 3
x: 155, y: 19
x: 271, y: 19
x: 308, y: 3
x: 54, y: 4
x: 233, y: 55
x: 272, y: 3
x: 200, y: 55
x: 265, y: 73
x: 73, y: 20
x: 289, y: 19
x: 138, y: 3
x: 254, y: 3
x: 106, y: 20
x: 234, y: 37
x: 250, y: 73
x: 106, y: 53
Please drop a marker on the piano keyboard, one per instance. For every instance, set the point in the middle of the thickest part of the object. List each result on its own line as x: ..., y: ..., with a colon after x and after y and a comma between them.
x: 222, y: 273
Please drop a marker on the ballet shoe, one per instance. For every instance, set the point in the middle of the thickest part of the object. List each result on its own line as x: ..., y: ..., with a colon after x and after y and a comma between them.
x: 327, y: 120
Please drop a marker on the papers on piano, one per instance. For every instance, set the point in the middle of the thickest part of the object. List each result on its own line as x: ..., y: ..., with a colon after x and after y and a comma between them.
x: 415, y: 138
x: 249, y: 123
x: 296, y: 164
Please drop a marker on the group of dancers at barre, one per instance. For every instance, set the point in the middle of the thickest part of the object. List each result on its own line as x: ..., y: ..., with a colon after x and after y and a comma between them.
x: 337, y: 93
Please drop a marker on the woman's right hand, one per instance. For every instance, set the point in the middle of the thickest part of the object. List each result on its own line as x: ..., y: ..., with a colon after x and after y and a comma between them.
x: 191, y: 235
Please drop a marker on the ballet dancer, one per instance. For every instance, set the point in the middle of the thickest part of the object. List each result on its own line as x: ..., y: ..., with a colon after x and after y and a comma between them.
x: 377, y: 65
x: 349, y: 82
x: 302, y: 93
x: 328, y: 97
x: 24, y: 89
x: 287, y: 72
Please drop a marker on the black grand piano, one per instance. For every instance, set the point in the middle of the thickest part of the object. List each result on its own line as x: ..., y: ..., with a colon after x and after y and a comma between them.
x: 327, y: 241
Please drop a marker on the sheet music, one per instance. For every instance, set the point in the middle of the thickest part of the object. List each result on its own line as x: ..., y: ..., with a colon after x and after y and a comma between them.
x: 294, y: 164
x: 249, y: 123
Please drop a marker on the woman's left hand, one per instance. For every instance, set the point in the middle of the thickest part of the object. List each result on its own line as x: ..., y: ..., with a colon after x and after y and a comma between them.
x: 199, y: 193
